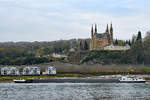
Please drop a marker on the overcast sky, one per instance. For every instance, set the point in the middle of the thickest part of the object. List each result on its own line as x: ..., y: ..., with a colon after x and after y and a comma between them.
x: 49, y: 20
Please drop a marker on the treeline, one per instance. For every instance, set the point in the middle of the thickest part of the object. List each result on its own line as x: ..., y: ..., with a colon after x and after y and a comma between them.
x: 22, y: 53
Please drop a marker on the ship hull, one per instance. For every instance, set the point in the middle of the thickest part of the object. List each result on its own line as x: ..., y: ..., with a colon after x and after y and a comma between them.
x: 132, y: 82
x: 78, y: 80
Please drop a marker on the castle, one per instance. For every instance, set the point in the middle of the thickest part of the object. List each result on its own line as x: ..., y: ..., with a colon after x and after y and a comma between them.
x: 100, y: 40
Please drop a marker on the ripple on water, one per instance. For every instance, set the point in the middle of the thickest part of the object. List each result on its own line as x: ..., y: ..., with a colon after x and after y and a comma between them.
x: 75, y: 91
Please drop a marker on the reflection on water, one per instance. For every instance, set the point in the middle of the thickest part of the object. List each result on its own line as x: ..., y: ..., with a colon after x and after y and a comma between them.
x: 75, y: 91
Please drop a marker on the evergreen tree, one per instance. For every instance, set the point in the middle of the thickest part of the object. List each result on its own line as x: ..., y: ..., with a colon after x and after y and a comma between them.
x: 139, y: 36
x: 129, y: 43
x: 134, y: 38
x: 116, y: 42
x: 80, y: 45
x: 137, y: 50
x: 86, y: 45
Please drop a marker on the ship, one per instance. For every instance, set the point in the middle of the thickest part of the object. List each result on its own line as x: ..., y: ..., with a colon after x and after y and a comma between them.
x: 123, y: 79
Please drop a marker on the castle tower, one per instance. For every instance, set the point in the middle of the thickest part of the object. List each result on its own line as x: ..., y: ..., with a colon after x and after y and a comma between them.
x: 111, y: 33
x: 107, y: 30
x: 92, y: 32
x: 95, y: 29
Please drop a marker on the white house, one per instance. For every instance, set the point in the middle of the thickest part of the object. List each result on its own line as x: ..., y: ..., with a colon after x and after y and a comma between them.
x: 9, y: 71
x: 56, y: 55
x: 119, y: 48
x: 51, y: 70
x: 31, y: 70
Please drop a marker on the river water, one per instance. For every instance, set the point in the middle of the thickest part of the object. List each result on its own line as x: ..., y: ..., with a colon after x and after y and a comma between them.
x: 75, y: 91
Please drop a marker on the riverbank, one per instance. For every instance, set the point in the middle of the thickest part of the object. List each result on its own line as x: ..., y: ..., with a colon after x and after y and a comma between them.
x: 4, y: 79
x: 9, y: 79
x: 93, y: 69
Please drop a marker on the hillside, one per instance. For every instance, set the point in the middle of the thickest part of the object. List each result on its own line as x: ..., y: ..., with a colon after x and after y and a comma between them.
x: 28, y: 53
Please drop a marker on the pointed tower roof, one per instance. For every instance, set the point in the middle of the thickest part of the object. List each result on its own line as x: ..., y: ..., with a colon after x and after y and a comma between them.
x: 111, y: 27
x: 107, y: 30
x: 95, y: 28
x: 92, y: 31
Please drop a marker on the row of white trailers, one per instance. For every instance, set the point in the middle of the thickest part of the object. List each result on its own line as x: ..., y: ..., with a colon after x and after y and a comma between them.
x: 30, y: 70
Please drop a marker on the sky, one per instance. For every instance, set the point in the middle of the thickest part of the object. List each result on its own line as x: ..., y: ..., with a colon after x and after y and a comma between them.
x: 50, y: 20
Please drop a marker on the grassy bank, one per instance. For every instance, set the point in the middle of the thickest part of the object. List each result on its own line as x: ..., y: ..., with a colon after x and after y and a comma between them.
x: 7, y: 79
x: 97, y: 68
x: 10, y: 78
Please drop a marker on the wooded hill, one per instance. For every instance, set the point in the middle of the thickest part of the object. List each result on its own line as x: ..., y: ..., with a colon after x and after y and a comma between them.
x: 27, y: 53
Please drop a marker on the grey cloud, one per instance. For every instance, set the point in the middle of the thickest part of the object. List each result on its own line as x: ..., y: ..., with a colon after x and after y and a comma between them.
x: 48, y: 20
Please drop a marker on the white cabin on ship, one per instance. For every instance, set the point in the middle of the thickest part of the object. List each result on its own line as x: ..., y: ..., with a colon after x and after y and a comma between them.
x: 9, y: 71
x: 127, y: 79
x: 31, y: 70
x: 51, y: 70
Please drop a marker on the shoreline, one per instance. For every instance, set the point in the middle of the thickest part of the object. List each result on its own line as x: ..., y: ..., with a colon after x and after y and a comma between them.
x: 9, y: 79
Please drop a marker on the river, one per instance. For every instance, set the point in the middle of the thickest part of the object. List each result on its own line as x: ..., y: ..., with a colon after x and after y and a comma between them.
x: 75, y: 91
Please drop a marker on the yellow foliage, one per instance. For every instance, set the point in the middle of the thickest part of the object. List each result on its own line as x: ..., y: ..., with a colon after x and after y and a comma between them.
x: 37, y: 53
x: 145, y: 69
x: 94, y: 70
x: 1, y: 49
x: 129, y: 69
x: 120, y: 42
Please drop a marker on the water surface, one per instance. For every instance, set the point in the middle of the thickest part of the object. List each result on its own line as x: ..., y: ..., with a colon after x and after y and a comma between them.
x: 75, y: 91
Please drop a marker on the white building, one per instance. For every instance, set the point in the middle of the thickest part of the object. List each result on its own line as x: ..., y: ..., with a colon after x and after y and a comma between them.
x: 9, y: 71
x: 50, y: 70
x: 31, y: 70
x: 55, y: 55
x: 119, y: 48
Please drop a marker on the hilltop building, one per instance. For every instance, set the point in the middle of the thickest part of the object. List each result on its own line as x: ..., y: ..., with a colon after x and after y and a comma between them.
x: 56, y: 55
x: 117, y: 48
x: 100, y: 40
x: 104, y: 41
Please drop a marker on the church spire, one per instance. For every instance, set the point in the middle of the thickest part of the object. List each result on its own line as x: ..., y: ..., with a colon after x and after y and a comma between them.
x: 111, y: 33
x: 111, y: 28
x: 95, y: 29
x: 92, y: 32
x: 107, y: 30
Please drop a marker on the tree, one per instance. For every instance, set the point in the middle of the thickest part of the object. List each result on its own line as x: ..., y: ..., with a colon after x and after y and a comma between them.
x: 38, y: 53
x: 80, y: 45
x: 129, y: 43
x: 139, y: 36
x: 146, y: 46
x: 116, y: 42
x: 137, y: 50
x: 134, y: 38
x: 126, y: 42
x: 120, y: 42
x: 85, y: 45
x: 147, y: 35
